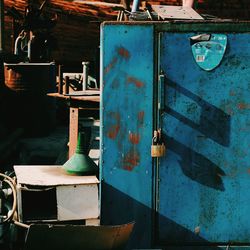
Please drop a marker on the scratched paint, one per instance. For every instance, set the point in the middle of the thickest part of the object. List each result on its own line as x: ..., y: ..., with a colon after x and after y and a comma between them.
x: 123, y: 53
x: 206, y: 179
x: 131, y: 160
x: 192, y: 191
x: 127, y: 85
x: 110, y: 65
x: 134, y: 138
x: 114, y: 129
x: 135, y: 81
x: 243, y: 105
x: 141, y: 118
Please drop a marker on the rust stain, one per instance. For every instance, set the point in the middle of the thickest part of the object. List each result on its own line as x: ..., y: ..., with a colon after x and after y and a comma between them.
x: 232, y: 93
x: 243, y: 105
x: 134, y: 138
x: 111, y: 65
x: 123, y: 53
x: 131, y: 160
x: 113, y: 131
x: 115, y: 128
x: 248, y: 170
x: 136, y: 82
x: 141, y: 118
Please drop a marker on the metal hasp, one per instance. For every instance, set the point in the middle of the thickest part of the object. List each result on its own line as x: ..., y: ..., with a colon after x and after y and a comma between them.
x: 197, y: 195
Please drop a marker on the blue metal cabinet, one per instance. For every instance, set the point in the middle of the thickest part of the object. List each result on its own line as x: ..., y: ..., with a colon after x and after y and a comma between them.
x: 198, y: 193
x: 126, y: 127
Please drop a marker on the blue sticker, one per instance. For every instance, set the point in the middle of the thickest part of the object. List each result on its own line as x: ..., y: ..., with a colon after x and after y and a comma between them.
x: 208, y: 54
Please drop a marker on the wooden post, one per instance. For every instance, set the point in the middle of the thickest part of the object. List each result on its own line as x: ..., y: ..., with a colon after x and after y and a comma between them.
x: 73, y: 130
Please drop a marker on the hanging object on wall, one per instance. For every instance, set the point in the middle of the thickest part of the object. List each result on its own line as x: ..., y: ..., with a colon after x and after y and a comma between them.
x: 208, y: 50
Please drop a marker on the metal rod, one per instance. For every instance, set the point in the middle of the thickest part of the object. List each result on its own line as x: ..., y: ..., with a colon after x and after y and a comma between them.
x: 1, y: 25
x: 21, y: 224
x: 60, y: 75
x: 135, y: 5
x: 42, y: 5
x: 85, y: 75
x: 66, y: 86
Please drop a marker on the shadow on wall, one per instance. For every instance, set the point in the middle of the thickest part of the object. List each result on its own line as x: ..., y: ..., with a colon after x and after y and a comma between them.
x: 214, y: 123
x: 196, y: 166
x: 119, y: 208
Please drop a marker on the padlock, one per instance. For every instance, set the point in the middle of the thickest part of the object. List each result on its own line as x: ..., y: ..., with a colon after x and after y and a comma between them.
x: 158, y: 150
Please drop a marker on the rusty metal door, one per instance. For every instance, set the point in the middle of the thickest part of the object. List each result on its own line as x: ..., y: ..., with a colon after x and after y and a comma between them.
x: 204, y: 179
x: 126, y: 127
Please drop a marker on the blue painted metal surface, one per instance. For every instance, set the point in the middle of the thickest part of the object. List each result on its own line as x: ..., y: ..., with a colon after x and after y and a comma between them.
x: 127, y: 116
x: 203, y: 188
x: 205, y: 177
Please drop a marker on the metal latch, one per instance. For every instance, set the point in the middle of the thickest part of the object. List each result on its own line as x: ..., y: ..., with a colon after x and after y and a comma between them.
x: 158, y: 148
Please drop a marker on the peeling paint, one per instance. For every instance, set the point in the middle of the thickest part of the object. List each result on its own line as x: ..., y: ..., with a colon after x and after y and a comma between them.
x: 123, y: 53
x: 110, y: 65
x: 243, y: 105
x: 141, y: 118
x: 131, y: 160
x: 134, y: 138
x: 136, y: 82
x: 114, y: 129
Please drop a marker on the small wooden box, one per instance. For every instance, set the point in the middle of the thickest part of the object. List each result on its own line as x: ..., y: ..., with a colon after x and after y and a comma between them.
x: 48, y: 193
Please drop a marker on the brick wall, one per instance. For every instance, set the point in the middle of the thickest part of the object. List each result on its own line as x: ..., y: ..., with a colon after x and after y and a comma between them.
x: 233, y: 9
x: 77, y: 30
